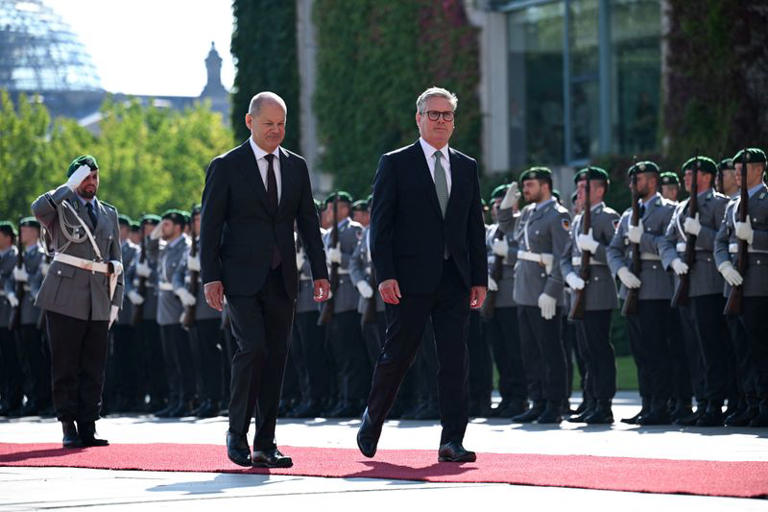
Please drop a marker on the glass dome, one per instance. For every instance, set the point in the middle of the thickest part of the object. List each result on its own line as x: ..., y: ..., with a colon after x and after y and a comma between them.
x: 39, y: 52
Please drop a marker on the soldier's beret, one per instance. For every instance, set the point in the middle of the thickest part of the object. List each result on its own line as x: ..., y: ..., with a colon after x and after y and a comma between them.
x: 8, y: 228
x: 135, y: 226
x: 754, y: 156
x: 536, y: 173
x: 725, y: 164
x: 706, y: 164
x: 556, y: 194
x: 644, y: 166
x: 31, y: 222
x: 150, y: 218
x: 318, y: 205
x: 82, y: 160
x: 498, y: 192
x: 176, y: 216
x: 669, y: 178
x: 343, y: 196
x: 595, y: 173
x: 369, y: 199
x: 196, y: 209
x: 361, y: 205
x: 123, y: 220
x: 484, y: 205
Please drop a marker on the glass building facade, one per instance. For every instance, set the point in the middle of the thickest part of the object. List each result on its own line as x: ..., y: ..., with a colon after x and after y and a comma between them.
x: 584, y: 78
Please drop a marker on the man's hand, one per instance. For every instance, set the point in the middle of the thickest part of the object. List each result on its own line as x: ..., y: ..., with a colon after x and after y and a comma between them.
x: 635, y: 233
x: 113, y: 311
x: 214, y: 295
x: 365, y: 289
x: 322, y: 290
x: 574, y: 281
x: 628, y: 279
x: 77, y: 177
x: 20, y: 275
x: 390, y: 291
x: 477, y: 296
x: 12, y: 299
x: 333, y: 255
x: 547, y: 306
x: 135, y: 298
x: 186, y: 298
x: 511, y: 198
x: 193, y: 263
x: 493, y: 286
x: 679, y: 266
x: 730, y: 274
x: 692, y: 226
x: 743, y: 231
x: 500, y: 248
x: 587, y: 243
x: 143, y: 269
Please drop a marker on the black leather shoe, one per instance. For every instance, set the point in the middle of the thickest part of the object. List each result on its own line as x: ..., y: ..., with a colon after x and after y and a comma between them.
x: 713, y: 416
x: 480, y: 410
x: 208, y: 409
x: 430, y: 411
x: 741, y: 418
x: 87, y: 432
x: 309, y: 409
x: 510, y: 408
x: 761, y: 418
x: 531, y: 414
x: 681, y: 410
x: 645, y: 409
x: 601, y: 414
x: 453, y: 451
x: 582, y: 416
x: 551, y: 414
x: 238, y: 450
x: 71, y: 439
x: 658, y: 416
x: 368, y: 436
x: 271, y: 459
x: 692, y: 418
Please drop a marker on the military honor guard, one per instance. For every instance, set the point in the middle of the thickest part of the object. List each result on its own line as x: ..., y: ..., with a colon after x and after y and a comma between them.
x: 11, y: 379
x: 670, y: 186
x: 81, y: 295
x: 633, y: 257
x: 594, y: 292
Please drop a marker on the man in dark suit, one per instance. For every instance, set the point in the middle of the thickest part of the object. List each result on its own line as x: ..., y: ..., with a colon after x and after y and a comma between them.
x: 430, y: 260
x: 253, y: 195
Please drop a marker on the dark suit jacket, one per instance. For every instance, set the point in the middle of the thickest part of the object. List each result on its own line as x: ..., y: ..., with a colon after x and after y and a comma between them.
x: 237, y: 231
x: 408, y: 232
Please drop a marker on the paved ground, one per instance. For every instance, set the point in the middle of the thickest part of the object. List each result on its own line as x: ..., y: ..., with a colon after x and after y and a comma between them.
x: 64, y: 488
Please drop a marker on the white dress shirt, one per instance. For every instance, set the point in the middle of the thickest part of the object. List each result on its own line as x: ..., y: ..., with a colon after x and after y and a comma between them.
x: 263, y: 164
x: 429, y: 153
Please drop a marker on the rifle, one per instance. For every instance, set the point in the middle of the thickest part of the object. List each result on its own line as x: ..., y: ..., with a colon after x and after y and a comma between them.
x: 190, y: 312
x: 16, y: 312
x: 734, y: 304
x: 497, y: 273
x: 327, y: 314
x: 369, y: 315
x: 138, y: 310
x: 680, y: 298
x: 630, y: 303
x: 41, y: 317
x: 579, y: 297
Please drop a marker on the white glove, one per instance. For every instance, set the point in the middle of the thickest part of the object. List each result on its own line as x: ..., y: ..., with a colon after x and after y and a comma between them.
x: 692, y: 226
x: 635, y: 233
x: 193, y: 263
x: 117, y: 266
x: 574, y: 281
x: 493, y: 286
x: 547, y: 305
x: 365, y: 289
x: 157, y: 232
x: 679, y: 266
x: 44, y: 268
x: 333, y: 255
x: 135, y: 298
x: 511, y: 198
x: 20, y: 275
x: 587, y: 243
x: 744, y: 231
x: 113, y: 311
x: 143, y: 270
x: 300, y: 260
x: 12, y: 299
x: 730, y: 274
x: 500, y: 248
x: 185, y: 297
x: 628, y: 279
x: 77, y: 177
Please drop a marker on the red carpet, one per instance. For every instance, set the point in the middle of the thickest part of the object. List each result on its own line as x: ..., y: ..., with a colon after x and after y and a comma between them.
x: 739, y: 479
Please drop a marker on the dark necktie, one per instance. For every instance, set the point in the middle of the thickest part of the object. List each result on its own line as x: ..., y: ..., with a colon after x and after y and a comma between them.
x: 92, y: 214
x: 272, y: 204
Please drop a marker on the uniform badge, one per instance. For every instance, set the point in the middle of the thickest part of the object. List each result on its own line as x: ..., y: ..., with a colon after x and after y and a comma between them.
x: 615, y: 223
x: 641, y: 167
x: 566, y: 224
x: 359, y: 235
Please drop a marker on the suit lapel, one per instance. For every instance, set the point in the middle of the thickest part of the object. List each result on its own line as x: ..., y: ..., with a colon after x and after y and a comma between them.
x: 425, y: 175
x: 250, y: 171
x: 287, y: 185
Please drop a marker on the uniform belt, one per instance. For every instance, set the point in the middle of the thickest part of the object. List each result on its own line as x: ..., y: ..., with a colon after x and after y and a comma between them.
x: 649, y: 256
x: 576, y: 262
x: 165, y: 286
x: 343, y: 271
x: 302, y: 277
x: 542, y: 259
x: 734, y: 248
x: 90, y: 266
x: 680, y: 247
x: 2, y: 293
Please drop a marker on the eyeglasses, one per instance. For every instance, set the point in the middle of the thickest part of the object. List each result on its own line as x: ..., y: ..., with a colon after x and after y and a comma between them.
x: 434, y: 115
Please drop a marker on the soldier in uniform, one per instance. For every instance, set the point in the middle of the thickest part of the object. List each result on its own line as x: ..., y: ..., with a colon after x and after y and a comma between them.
x: 34, y: 360
x: 594, y: 329
x: 343, y: 332
x: 541, y: 231
x: 11, y: 392
x: 177, y: 352
x: 501, y: 329
x: 360, y: 213
x: 648, y: 328
x: 81, y: 295
x: 704, y: 312
x: 204, y: 331
x: 670, y: 186
x: 754, y: 282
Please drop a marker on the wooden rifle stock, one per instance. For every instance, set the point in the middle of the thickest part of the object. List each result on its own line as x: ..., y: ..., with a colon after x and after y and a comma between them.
x: 579, y: 297
x: 497, y: 274
x: 190, y: 312
x: 326, y: 315
x: 680, y: 297
x: 633, y: 294
x: 735, y: 298
x: 15, y: 322
x: 138, y: 310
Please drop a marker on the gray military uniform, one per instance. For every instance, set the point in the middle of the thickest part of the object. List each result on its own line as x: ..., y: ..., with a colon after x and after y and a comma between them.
x: 172, y: 255
x: 33, y: 258
x: 704, y: 279
x: 305, y: 300
x: 600, y: 289
x: 345, y: 296
x: 69, y: 290
x: 130, y: 251
x: 360, y: 270
x: 7, y: 262
x: 505, y: 296
x: 181, y: 279
x: 657, y: 283
x: 149, y: 306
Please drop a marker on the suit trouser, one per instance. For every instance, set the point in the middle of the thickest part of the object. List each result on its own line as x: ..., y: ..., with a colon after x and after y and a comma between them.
x: 448, y: 307
x: 11, y: 390
x: 755, y: 319
x: 686, y: 356
x: 78, y: 359
x: 35, y: 364
x: 312, y: 352
x: 648, y: 341
x: 179, y: 368
x: 543, y: 354
x: 206, y: 340
x: 347, y: 346
x: 480, y: 363
x: 373, y: 334
x: 713, y: 344
x: 593, y: 335
x: 503, y: 336
x: 151, y: 370
x: 261, y: 326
